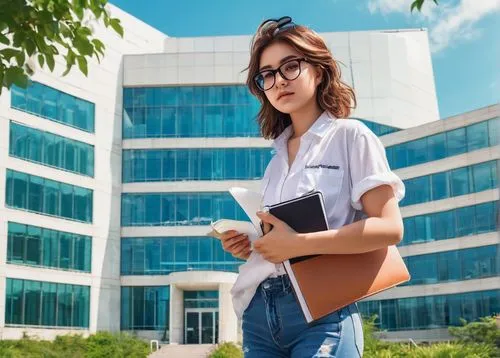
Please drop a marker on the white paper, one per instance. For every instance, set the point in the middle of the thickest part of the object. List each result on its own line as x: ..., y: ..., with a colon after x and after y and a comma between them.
x: 250, y: 202
x: 242, y: 227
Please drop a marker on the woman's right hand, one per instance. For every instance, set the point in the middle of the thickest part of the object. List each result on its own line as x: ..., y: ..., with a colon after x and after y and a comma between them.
x: 236, y: 244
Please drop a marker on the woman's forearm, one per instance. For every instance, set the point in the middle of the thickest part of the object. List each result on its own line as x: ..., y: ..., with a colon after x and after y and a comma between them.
x: 362, y: 236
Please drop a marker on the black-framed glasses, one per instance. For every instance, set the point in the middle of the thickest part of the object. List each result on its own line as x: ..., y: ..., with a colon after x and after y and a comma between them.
x: 289, y: 70
x: 282, y: 23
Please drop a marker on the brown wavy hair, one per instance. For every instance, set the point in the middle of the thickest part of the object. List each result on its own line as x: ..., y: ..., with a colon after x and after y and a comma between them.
x: 332, y: 94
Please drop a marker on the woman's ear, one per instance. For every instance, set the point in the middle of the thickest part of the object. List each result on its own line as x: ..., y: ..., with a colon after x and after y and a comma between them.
x: 319, y: 74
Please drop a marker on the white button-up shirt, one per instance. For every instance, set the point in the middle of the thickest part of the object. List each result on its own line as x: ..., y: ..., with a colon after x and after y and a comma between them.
x: 342, y: 158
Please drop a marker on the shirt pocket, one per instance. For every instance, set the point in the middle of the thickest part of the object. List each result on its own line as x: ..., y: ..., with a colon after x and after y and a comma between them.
x: 326, y: 180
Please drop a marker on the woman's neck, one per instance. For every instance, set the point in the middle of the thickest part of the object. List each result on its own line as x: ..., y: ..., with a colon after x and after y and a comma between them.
x: 304, y: 118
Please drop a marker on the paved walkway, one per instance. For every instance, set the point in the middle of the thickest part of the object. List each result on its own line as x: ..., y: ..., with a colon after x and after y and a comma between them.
x: 183, y: 351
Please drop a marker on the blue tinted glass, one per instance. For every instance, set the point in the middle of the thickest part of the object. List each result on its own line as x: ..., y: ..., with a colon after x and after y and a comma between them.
x: 153, y: 122
x: 482, y: 176
x: 465, y: 221
x: 400, y: 156
x: 485, y: 217
x: 477, y: 136
x: 199, y: 111
x: 50, y: 103
x: 60, y: 197
x: 494, y: 131
x: 460, y: 183
x: 440, y: 185
x: 437, y: 146
x: 444, y: 225
x: 39, y: 303
x: 145, y: 308
x: 168, y: 122
x: 423, y: 269
x: 417, y: 151
x: 456, y: 141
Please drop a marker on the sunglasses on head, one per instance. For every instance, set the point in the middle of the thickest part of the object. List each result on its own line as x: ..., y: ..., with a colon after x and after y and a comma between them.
x: 282, y: 24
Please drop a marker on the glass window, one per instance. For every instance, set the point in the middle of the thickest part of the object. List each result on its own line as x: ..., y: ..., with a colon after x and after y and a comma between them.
x: 417, y: 151
x: 482, y: 176
x: 450, y: 268
x: 50, y: 149
x: 440, y: 185
x: 168, y: 122
x: 67, y: 201
x: 423, y: 269
x: 465, y: 221
x: 49, y: 299
x: 59, y: 196
x: 20, y: 190
x: 477, y: 136
x: 35, y: 196
x: 456, y: 140
x: 50, y: 103
x: 32, y: 302
x: 33, y: 246
x: 153, y: 165
x: 460, y: 184
x: 16, y: 242
x: 485, y: 217
x: 437, y: 146
x: 494, y: 131
x: 444, y: 225
x: 145, y: 308
x: 153, y: 122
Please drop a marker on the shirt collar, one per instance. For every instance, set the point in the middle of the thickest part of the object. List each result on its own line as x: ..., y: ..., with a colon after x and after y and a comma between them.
x: 317, y: 130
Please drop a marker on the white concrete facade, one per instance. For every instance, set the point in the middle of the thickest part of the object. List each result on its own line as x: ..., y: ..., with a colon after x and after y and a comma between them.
x: 103, y: 87
x: 390, y: 71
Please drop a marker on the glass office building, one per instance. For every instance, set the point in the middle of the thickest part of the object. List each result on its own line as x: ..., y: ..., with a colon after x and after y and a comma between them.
x: 108, y: 185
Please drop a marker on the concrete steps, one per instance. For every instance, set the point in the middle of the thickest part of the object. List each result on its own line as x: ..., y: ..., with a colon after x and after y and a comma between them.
x: 183, y: 351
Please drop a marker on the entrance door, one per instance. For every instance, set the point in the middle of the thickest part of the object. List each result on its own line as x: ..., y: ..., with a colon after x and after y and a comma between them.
x: 201, y: 326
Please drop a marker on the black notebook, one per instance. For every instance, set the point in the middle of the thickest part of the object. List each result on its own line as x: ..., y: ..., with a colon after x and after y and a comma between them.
x: 303, y: 214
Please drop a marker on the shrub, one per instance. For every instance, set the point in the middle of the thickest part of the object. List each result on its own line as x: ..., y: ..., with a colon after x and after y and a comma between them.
x: 227, y: 350
x: 101, y: 344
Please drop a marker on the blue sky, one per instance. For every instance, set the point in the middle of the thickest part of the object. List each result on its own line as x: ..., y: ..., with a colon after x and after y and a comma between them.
x: 463, y: 33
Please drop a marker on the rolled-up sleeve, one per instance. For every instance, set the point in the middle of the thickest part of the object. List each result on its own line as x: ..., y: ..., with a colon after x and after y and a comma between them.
x: 369, y: 167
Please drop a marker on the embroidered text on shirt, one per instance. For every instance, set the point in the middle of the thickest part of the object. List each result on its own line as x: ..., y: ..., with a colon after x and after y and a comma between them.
x: 323, y: 166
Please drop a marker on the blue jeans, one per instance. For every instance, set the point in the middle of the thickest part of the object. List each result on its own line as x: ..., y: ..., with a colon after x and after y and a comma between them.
x: 274, y: 326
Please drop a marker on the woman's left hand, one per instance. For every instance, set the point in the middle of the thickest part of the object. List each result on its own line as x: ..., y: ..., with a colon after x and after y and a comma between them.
x: 280, y: 243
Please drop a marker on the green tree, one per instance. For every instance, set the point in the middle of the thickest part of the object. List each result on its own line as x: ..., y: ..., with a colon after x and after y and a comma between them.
x: 418, y: 4
x: 42, y: 29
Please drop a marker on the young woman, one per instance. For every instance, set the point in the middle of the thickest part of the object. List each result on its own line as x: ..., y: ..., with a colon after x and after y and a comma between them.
x: 304, y: 106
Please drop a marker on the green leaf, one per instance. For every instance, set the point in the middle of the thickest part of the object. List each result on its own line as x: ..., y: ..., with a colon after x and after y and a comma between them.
x: 78, y: 9
x: 30, y: 71
x: 83, y: 46
x: 65, y: 31
x: 115, y: 24
x: 50, y: 61
x: 4, y: 39
x: 30, y: 47
x: 417, y: 4
x: 20, y: 58
x: 41, y: 60
x: 84, y: 31
x: 99, y: 46
x: 8, y: 53
x: 82, y: 64
x: 68, y: 68
x: 18, y: 38
x: 15, y: 75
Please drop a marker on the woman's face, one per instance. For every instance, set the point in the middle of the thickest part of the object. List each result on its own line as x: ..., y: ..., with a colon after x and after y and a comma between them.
x: 301, y: 91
